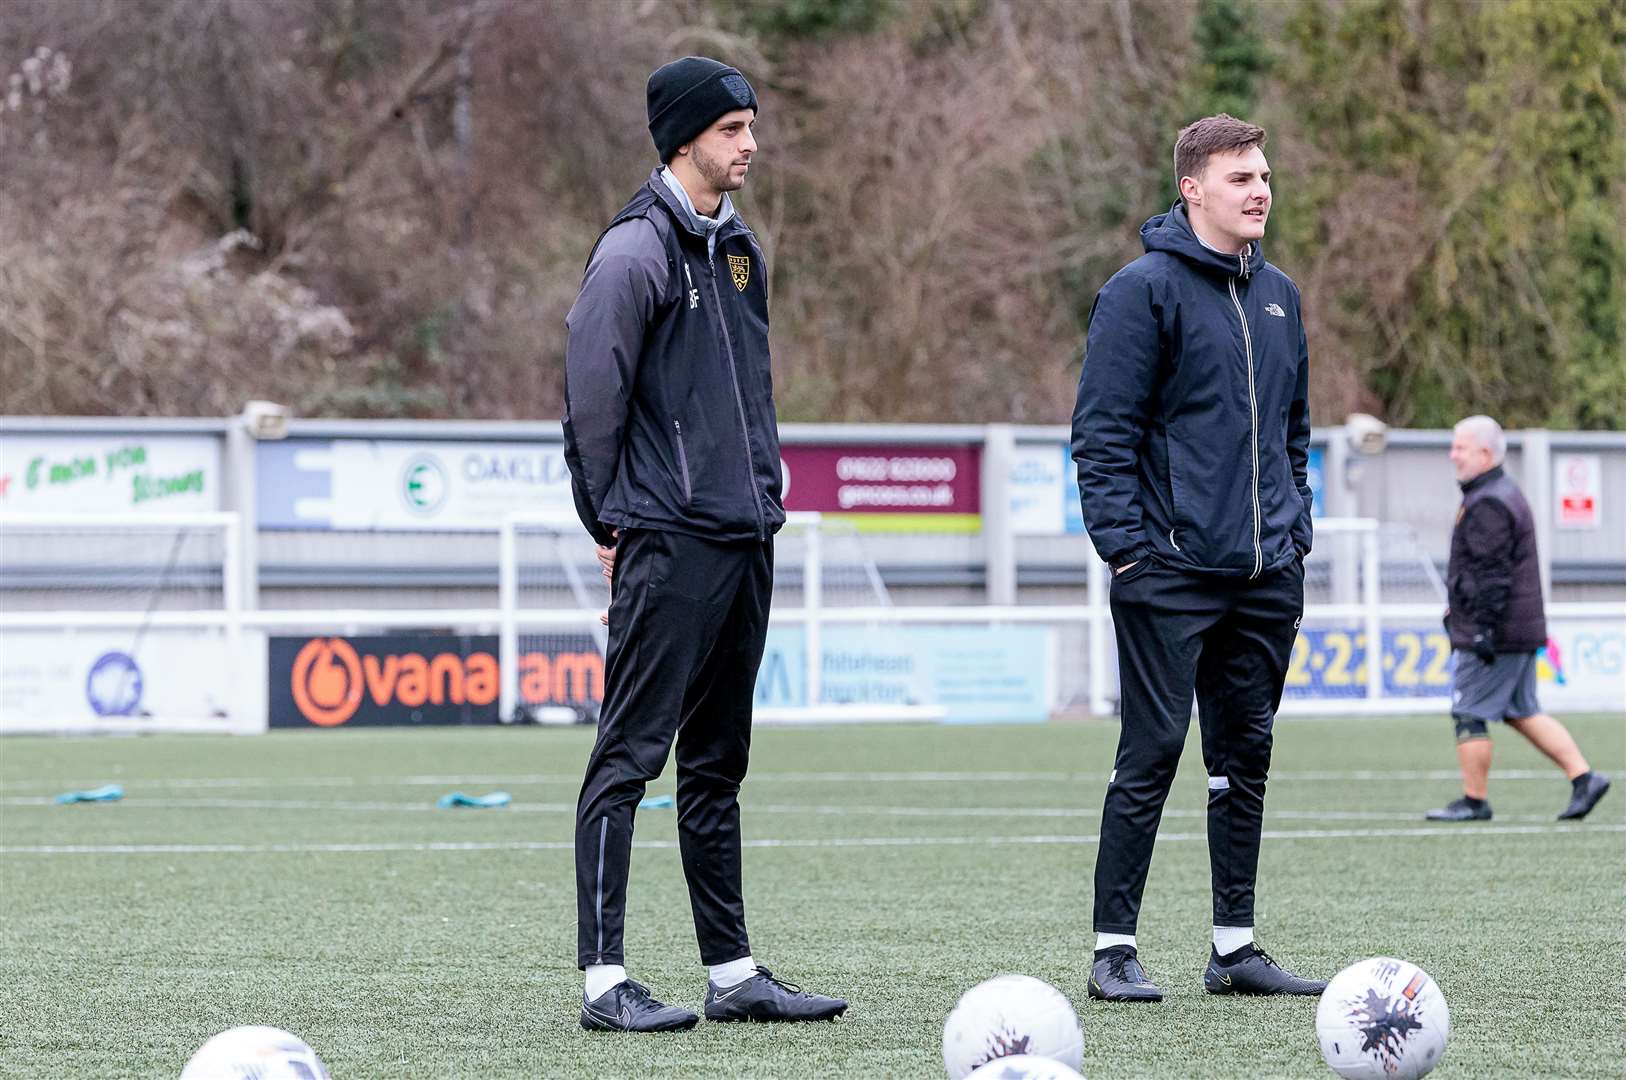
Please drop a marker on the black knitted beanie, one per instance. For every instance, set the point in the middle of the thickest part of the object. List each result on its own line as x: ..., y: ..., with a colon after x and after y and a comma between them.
x: 687, y: 95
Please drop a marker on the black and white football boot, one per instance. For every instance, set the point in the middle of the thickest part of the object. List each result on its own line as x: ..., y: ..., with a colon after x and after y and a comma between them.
x: 1250, y: 970
x: 764, y: 998
x: 1118, y: 976
x: 629, y: 1006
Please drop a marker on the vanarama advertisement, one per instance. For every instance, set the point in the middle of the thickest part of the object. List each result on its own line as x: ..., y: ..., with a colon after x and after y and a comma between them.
x: 420, y: 679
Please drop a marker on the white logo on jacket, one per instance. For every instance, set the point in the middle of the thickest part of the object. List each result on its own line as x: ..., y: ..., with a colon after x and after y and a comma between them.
x: 1276, y: 310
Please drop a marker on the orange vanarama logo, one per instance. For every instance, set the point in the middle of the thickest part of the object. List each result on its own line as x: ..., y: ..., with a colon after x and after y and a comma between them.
x: 327, y: 681
x: 330, y: 678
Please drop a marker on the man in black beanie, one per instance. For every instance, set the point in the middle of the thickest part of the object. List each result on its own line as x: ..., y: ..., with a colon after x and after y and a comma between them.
x: 673, y: 448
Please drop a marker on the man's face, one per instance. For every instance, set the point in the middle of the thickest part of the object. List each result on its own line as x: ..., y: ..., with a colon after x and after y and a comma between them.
x: 1231, y: 200
x: 1468, y: 457
x: 722, y: 153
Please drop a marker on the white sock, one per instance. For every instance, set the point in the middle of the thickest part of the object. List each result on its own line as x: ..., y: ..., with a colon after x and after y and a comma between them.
x: 1107, y: 941
x: 600, y: 977
x: 1228, y: 939
x: 734, y: 972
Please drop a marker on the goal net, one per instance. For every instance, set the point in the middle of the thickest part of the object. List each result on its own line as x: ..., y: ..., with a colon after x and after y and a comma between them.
x: 552, y: 593
x: 1368, y: 581
x: 122, y: 622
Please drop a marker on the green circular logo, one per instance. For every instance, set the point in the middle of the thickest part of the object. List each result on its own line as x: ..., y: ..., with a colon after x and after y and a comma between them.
x: 423, y: 484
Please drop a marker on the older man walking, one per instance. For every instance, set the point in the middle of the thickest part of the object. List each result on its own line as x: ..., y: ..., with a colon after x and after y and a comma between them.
x: 1497, y: 623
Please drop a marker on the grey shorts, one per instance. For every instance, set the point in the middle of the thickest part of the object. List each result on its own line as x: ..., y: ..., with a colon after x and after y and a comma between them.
x: 1502, y: 690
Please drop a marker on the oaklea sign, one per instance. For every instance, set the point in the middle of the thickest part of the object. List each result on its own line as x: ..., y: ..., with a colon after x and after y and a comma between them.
x: 421, y: 679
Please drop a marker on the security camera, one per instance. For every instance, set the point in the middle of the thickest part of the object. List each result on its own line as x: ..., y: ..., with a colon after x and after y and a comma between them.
x: 266, y: 419
x: 1366, y: 434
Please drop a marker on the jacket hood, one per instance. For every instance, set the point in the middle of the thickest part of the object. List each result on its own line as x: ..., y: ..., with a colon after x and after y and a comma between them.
x: 1172, y: 233
x: 730, y: 221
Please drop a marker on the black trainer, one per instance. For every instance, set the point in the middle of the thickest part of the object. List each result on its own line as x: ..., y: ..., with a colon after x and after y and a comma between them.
x: 764, y: 998
x: 1463, y: 810
x: 629, y: 1006
x: 1250, y: 970
x: 1586, y: 797
x: 1118, y: 976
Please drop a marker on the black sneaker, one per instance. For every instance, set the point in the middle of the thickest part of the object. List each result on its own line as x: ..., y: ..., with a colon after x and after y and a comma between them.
x: 1118, y: 976
x: 629, y: 1006
x: 765, y: 998
x: 1585, y: 798
x: 1250, y: 970
x: 1463, y: 810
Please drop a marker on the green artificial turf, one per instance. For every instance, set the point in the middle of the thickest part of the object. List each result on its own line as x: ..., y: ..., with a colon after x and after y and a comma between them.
x: 305, y: 880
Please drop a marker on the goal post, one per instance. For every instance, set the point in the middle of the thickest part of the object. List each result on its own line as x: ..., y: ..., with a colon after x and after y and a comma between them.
x: 549, y: 583
x: 125, y: 623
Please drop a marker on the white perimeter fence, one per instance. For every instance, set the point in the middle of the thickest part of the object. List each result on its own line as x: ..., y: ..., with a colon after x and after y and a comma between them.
x: 206, y: 632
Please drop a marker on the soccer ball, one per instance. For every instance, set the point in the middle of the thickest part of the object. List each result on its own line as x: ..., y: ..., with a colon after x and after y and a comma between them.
x: 1382, y: 1019
x: 1024, y: 1067
x: 255, y: 1053
x: 1010, y: 1015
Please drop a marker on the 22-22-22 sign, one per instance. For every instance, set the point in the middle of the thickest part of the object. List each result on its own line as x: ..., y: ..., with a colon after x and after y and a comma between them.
x: 1331, y: 662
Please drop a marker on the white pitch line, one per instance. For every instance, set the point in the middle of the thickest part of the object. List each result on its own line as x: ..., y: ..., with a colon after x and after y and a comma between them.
x: 295, y: 804
x: 574, y: 779
x: 796, y: 810
x: 1458, y: 832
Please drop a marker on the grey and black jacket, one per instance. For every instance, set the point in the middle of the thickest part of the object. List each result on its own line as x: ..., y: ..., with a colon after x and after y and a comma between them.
x: 669, y: 416
x: 1192, y: 428
x: 1494, y: 579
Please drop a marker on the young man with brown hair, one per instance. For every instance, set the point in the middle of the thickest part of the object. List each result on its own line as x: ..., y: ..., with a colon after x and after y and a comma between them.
x: 673, y: 448
x: 1192, y: 435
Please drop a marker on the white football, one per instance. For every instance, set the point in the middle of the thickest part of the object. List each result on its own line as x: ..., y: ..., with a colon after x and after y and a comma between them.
x: 1025, y: 1067
x: 255, y: 1053
x: 1010, y: 1015
x: 1382, y: 1019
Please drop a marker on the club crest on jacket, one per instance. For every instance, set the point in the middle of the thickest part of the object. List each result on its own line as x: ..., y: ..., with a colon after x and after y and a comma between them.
x: 740, y: 267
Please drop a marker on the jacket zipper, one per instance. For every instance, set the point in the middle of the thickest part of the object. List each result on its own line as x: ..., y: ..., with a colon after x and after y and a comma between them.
x: 683, y: 462
x: 739, y: 399
x: 1253, y: 411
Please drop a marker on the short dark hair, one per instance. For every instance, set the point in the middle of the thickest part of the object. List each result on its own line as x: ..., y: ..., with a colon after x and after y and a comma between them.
x: 1222, y: 134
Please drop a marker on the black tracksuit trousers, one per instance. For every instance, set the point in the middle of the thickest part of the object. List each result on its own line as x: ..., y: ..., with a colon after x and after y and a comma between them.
x: 688, y: 621
x: 1228, y: 640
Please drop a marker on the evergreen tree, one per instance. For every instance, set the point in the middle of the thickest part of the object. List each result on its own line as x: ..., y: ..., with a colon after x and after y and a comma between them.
x: 1231, y: 59
x: 1466, y: 210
